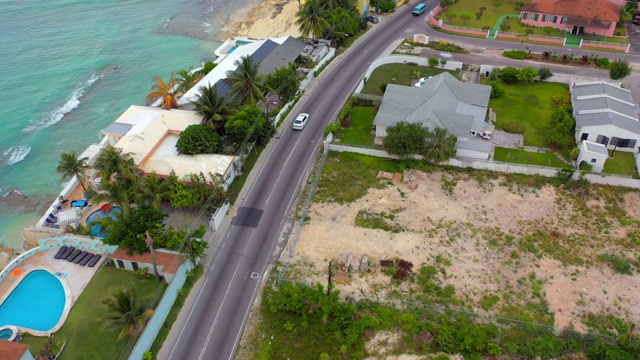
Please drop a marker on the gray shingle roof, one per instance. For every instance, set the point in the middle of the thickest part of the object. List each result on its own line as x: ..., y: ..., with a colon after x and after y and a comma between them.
x: 600, y: 103
x: 282, y: 55
x: 607, y: 118
x: 442, y: 101
x: 475, y: 145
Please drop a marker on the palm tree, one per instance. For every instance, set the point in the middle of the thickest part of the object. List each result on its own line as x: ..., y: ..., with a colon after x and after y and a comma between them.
x: 214, y: 107
x: 440, y: 146
x: 110, y: 162
x: 310, y: 19
x: 152, y: 190
x: 70, y: 166
x: 186, y: 80
x: 149, y: 241
x: 165, y: 91
x: 124, y: 309
x: 120, y: 192
x: 246, y: 84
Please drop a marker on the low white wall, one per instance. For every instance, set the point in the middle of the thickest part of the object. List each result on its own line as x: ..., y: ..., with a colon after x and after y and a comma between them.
x: 218, y: 216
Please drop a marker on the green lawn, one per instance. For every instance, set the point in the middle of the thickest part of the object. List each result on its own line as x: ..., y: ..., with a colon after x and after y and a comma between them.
x: 85, y: 336
x: 525, y: 157
x: 347, y: 177
x: 623, y: 163
x: 402, y: 73
x: 359, y: 130
x: 471, y: 7
x: 529, y: 104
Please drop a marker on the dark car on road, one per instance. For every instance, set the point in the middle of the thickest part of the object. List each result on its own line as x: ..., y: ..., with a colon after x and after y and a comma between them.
x: 373, y: 19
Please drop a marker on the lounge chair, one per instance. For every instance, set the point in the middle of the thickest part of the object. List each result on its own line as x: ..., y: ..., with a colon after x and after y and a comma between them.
x: 73, y: 255
x: 67, y: 252
x: 94, y: 260
x: 50, y: 221
x: 60, y: 252
x: 79, y: 257
x: 79, y: 203
x: 86, y: 259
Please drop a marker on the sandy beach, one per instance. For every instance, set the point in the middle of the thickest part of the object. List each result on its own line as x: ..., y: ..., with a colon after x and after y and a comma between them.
x: 272, y: 18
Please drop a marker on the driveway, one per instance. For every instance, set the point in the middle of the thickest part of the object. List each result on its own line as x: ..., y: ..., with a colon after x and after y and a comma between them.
x: 633, y: 35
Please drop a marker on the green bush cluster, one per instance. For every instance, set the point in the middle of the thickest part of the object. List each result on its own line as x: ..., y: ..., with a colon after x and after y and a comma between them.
x: 602, y: 63
x: 513, y: 127
x: 515, y: 54
x: 446, y: 46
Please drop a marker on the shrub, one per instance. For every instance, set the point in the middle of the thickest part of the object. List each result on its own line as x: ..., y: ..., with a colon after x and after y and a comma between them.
x: 575, y: 152
x: 548, y: 30
x: 433, y: 62
x: 513, y: 127
x: 544, y: 74
x: 509, y: 75
x: 562, y: 99
x: 497, y: 91
x: 619, y: 264
x: 602, y: 62
x: 619, y: 69
x: 199, y: 139
x: 515, y: 54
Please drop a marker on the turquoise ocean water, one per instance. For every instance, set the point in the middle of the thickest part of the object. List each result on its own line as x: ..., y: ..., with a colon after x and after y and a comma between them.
x: 70, y: 68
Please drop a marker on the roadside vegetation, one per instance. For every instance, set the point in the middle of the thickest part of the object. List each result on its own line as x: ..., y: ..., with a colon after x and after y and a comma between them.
x: 502, y: 305
x: 85, y: 333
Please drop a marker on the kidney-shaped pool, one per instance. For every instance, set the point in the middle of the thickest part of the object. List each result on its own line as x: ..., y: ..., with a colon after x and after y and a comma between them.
x: 36, y: 303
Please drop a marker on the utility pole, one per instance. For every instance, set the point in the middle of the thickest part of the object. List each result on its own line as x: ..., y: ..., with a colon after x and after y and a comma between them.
x: 329, y: 282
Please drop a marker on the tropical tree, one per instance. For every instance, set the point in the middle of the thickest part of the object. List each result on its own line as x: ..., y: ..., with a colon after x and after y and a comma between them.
x: 440, y: 146
x: 311, y: 19
x: 71, y: 166
x: 215, y: 108
x: 186, y: 79
x: 199, y: 139
x: 111, y: 163
x: 247, y: 84
x: 285, y: 82
x: 405, y: 139
x: 561, y: 128
x: 152, y: 189
x: 464, y: 18
x: 619, y: 69
x: 165, y: 91
x: 527, y: 74
x: 149, y: 241
x: 125, y: 310
x: 121, y: 192
x: 544, y: 73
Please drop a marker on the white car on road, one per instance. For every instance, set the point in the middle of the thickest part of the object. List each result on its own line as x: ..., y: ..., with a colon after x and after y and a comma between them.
x: 300, y: 121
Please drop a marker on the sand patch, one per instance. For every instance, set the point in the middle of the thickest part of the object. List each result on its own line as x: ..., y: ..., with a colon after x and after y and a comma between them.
x: 272, y: 18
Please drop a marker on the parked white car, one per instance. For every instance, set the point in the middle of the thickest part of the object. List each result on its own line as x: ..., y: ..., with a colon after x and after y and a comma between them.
x: 300, y: 121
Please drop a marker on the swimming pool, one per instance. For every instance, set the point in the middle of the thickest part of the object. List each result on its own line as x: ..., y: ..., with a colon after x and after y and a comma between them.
x: 96, y: 230
x: 36, y: 303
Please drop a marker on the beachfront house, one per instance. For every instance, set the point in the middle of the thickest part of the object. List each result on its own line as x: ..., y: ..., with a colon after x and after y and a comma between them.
x: 605, y: 114
x: 442, y: 101
x: 598, y: 17
x: 149, y: 135
x: 167, y: 262
x: 270, y: 53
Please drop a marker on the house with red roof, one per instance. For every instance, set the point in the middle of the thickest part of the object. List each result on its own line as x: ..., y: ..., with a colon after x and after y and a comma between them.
x: 11, y: 350
x: 167, y: 262
x: 598, y: 17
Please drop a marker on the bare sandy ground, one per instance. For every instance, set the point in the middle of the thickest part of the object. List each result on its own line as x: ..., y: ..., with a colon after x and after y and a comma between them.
x: 272, y: 18
x: 478, y: 226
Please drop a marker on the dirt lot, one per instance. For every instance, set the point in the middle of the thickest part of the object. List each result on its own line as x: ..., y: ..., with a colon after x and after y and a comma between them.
x: 521, y: 246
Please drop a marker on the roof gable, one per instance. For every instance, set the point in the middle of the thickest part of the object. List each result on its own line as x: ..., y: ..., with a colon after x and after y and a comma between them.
x: 11, y: 350
x: 585, y: 9
x: 443, y: 101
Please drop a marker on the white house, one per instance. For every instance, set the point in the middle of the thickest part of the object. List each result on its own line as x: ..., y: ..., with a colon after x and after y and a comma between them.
x: 593, y: 154
x: 605, y: 114
x: 149, y: 135
x: 443, y: 102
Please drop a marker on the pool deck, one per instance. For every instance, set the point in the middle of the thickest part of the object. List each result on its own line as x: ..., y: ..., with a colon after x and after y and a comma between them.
x: 76, y: 280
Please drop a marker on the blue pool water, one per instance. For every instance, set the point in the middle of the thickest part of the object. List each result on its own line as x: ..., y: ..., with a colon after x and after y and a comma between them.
x: 6, y: 334
x: 36, y: 303
x: 96, y: 230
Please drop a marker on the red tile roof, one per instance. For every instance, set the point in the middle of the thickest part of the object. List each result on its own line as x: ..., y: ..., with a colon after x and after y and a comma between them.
x: 169, y: 261
x: 588, y: 9
x: 10, y: 350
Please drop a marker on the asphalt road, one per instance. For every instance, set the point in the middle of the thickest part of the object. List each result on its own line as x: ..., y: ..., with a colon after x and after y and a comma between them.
x: 215, y: 323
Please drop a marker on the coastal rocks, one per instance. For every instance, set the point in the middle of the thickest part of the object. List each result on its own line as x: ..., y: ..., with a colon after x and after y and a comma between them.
x: 17, y: 202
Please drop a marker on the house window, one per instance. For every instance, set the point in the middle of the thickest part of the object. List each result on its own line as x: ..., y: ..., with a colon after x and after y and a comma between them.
x: 555, y: 19
x: 623, y: 143
x: 584, y: 136
x: 564, y: 20
x: 602, y: 140
x: 536, y: 17
x: 593, y: 160
x: 135, y: 265
x: 547, y: 18
x: 120, y: 264
x: 529, y: 16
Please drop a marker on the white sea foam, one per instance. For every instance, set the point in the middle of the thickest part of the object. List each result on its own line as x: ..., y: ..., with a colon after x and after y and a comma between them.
x: 57, y: 114
x: 16, y: 154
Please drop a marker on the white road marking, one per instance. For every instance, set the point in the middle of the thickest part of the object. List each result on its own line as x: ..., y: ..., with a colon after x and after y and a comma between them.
x: 188, y: 318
